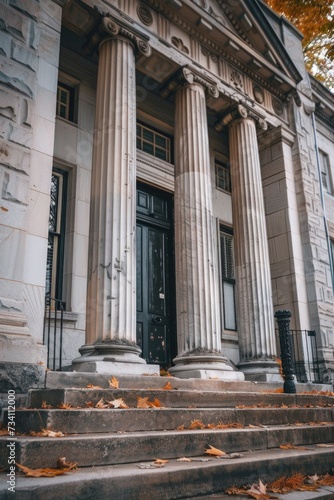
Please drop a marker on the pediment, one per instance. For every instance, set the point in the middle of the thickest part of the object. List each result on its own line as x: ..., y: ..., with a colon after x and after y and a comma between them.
x: 240, y: 30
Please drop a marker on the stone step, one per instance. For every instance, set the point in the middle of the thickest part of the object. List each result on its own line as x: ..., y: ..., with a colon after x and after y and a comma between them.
x: 177, y: 480
x: 126, y: 447
x: 85, y: 420
x: 176, y: 398
x: 54, y: 380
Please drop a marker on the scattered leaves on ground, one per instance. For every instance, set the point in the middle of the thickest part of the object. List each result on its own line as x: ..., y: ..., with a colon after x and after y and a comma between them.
x: 113, y: 383
x: 214, y: 451
x: 283, y: 485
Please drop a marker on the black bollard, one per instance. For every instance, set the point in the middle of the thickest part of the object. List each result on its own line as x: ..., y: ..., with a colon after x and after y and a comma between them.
x: 283, y: 321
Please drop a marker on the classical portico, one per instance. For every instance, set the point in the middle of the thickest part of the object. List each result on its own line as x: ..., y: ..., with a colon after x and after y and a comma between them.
x: 111, y: 298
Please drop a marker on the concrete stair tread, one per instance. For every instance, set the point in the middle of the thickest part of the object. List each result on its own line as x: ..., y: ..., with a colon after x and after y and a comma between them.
x: 176, y: 479
x: 78, y: 397
x: 127, y: 447
x: 114, y: 420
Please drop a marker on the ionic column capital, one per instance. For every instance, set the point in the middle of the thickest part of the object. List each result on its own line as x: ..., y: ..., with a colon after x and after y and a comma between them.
x: 239, y: 112
x: 188, y: 76
x: 110, y: 28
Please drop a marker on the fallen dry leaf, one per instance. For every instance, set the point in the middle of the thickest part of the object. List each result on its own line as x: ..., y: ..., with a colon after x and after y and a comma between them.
x: 90, y: 404
x: 160, y: 461
x: 47, y: 433
x: 168, y: 387
x: 259, y: 491
x: 117, y: 403
x: 142, y: 402
x: 45, y: 405
x: 155, y: 404
x: 214, y: 451
x: 91, y: 386
x: 3, y: 432
x: 64, y: 406
x: 325, y: 445
x: 113, y: 383
x: 289, y: 446
x: 47, y: 472
x: 101, y: 404
x: 196, y: 424
x: 184, y: 459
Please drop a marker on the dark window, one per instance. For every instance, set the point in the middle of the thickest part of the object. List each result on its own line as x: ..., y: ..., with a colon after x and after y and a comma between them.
x: 228, y: 278
x: 55, y: 255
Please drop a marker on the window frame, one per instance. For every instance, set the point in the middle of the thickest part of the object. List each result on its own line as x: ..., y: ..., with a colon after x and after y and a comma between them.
x: 225, y: 231
x: 325, y: 171
x: 55, y: 287
x: 156, y: 132
x: 223, y: 165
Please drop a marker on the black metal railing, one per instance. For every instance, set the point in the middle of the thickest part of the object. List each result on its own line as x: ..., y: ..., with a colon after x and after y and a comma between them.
x: 307, y: 366
x: 53, y: 332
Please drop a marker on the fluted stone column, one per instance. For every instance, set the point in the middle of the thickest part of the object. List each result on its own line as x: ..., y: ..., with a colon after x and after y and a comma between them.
x: 111, y: 295
x: 197, y: 299
x: 254, y: 296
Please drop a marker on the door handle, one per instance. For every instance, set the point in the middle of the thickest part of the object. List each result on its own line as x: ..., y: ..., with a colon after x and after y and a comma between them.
x: 156, y: 319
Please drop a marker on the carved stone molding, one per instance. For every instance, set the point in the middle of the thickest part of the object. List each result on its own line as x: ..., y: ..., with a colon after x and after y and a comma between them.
x: 111, y: 28
x: 145, y: 15
x: 186, y: 76
x: 238, y: 112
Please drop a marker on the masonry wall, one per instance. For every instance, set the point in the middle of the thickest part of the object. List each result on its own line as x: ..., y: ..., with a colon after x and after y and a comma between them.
x: 29, y: 51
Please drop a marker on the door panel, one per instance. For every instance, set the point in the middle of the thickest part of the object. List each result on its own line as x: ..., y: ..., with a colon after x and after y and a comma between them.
x: 154, y: 304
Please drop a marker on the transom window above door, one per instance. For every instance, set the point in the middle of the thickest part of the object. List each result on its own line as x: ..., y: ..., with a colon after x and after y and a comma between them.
x: 153, y: 143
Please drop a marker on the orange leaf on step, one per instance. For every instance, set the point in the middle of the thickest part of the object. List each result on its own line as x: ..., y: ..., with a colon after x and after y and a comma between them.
x: 113, y: 383
x: 91, y: 386
x: 214, y: 451
x: 47, y: 472
x: 168, y: 387
x: 64, y: 406
x: 142, y: 402
x: 47, y: 433
x: 45, y: 405
x: 289, y: 446
x: 101, y: 404
x: 197, y: 424
x: 155, y: 404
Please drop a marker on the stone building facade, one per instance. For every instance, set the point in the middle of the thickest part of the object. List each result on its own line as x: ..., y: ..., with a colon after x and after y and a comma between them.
x: 167, y: 182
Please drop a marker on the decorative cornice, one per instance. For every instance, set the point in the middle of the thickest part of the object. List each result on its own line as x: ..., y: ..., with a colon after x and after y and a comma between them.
x: 111, y: 28
x: 187, y: 75
x: 240, y: 111
x: 215, y: 48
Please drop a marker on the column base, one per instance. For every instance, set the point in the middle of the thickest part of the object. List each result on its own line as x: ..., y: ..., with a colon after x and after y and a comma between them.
x: 261, y: 371
x: 114, y: 358
x: 204, y: 367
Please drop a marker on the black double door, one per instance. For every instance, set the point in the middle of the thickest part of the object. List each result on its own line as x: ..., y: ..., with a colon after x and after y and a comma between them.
x: 155, y: 283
